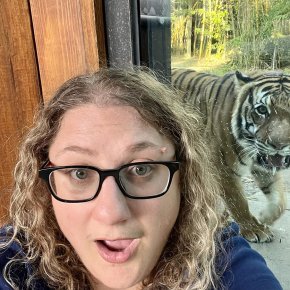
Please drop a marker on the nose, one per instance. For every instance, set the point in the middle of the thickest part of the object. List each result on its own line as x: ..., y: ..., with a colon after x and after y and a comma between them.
x: 277, y: 145
x: 111, y: 205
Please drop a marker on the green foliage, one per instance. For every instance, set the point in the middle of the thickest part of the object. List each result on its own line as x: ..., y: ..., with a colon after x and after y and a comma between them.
x: 260, y: 46
x: 280, y: 12
x: 251, y: 33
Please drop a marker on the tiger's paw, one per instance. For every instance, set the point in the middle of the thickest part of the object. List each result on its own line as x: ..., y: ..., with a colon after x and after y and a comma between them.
x: 271, y: 213
x: 258, y: 235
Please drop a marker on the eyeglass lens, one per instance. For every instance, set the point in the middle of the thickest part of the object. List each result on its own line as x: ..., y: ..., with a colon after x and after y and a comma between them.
x: 136, y: 180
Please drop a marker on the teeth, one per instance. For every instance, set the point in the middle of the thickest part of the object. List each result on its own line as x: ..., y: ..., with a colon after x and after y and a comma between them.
x: 273, y: 170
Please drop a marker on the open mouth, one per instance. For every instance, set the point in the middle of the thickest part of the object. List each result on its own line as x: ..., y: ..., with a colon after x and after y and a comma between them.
x: 116, y: 246
x: 117, y: 251
x: 274, y: 161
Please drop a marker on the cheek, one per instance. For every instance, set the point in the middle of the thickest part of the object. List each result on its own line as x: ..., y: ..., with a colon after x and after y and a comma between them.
x: 157, y: 218
x: 163, y: 213
x: 70, y: 218
x: 170, y: 212
x: 164, y: 221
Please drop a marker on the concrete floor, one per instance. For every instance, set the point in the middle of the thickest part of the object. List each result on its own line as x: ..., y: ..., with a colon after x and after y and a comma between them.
x: 276, y: 253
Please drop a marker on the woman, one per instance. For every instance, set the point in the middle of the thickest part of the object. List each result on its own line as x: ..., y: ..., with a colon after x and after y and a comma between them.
x: 114, y: 189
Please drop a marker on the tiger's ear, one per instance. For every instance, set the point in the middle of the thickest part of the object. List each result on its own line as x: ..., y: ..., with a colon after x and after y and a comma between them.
x: 242, y: 79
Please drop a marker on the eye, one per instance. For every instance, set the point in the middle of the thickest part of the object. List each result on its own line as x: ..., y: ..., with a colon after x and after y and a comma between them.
x: 141, y: 170
x: 80, y: 174
x: 261, y: 110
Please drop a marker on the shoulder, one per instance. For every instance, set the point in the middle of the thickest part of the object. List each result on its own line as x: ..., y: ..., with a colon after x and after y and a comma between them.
x: 12, y: 247
x: 244, y: 268
x: 12, y: 260
x: 8, y: 251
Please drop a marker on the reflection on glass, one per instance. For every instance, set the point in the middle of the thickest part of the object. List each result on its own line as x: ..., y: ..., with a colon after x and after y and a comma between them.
x: 155, y: 38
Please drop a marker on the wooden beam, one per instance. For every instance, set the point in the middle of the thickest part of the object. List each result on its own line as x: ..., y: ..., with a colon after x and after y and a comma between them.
x: 19, y: 87
x: 66, y: 40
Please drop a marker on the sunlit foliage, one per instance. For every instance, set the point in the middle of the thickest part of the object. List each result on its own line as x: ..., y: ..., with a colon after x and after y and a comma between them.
x: 249, y: 34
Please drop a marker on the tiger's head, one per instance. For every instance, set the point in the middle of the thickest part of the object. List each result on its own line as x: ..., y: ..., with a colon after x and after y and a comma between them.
x: 261, y: 118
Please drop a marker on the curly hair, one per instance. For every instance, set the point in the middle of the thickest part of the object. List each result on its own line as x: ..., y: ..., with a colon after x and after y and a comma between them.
x: 188, y: 260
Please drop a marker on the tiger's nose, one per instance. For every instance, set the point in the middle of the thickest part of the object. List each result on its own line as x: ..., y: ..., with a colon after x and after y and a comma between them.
x: 277, y: 145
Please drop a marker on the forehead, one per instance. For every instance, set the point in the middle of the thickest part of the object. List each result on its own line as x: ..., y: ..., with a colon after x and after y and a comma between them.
x: 102, y: 115
x: 107, y: 128
x: 273, y: 89
x: 274, y: 83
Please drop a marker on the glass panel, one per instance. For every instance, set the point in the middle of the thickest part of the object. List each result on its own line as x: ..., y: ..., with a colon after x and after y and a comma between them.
x: 155, y: 48
x: 222, y: 36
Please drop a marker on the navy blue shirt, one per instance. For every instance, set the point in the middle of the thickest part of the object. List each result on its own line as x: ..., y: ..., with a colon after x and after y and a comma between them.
x: 246, y: 269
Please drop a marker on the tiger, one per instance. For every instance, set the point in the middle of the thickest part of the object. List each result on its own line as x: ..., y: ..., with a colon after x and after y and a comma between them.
x: 247, y: 123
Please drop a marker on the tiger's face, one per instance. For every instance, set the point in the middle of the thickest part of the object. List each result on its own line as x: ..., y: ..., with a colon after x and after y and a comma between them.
x: 261, y: 120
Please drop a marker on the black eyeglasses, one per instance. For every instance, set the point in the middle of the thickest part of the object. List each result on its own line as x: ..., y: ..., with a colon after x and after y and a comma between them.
x: 138, y: 180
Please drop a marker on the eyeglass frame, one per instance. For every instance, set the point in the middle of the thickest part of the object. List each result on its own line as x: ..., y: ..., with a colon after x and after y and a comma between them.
x: 44, y: 173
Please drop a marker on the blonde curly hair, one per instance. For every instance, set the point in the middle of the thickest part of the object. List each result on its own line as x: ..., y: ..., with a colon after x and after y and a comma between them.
x: 189, y: 258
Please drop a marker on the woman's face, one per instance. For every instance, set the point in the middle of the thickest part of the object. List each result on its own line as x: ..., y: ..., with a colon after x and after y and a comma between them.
x: 118, y: 239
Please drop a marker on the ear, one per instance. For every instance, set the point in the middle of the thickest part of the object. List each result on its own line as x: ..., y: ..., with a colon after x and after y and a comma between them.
x: 242, y: 79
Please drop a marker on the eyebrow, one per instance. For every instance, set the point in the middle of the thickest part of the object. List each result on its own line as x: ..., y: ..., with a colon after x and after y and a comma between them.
x: 132, y: 148
x: 77, y: 149
x: 142, y: 146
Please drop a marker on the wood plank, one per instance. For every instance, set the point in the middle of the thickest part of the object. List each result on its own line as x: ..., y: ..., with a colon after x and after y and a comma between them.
x: 66, y: 40
x: 100, y: 30
x: 19, y: 86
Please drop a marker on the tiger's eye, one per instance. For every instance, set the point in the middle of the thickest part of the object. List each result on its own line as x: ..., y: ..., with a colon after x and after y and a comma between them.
x: 262, y: 110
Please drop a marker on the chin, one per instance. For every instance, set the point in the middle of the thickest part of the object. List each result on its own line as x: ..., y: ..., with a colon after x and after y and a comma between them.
x: 118, y: 279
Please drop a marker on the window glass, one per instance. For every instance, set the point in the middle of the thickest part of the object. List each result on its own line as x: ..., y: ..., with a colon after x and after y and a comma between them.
x: 218, y: 37
x: 155, y: 38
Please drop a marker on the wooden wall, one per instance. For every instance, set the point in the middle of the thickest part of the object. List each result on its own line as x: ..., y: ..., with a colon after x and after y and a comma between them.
x: 66, y: 40
x: 42, y: 44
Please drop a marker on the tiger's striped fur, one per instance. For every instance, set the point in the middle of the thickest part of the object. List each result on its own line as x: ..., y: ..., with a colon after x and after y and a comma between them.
x: 247, y: 123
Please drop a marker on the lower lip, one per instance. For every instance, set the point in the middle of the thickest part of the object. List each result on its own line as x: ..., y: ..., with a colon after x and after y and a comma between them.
x: 117, y: 257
